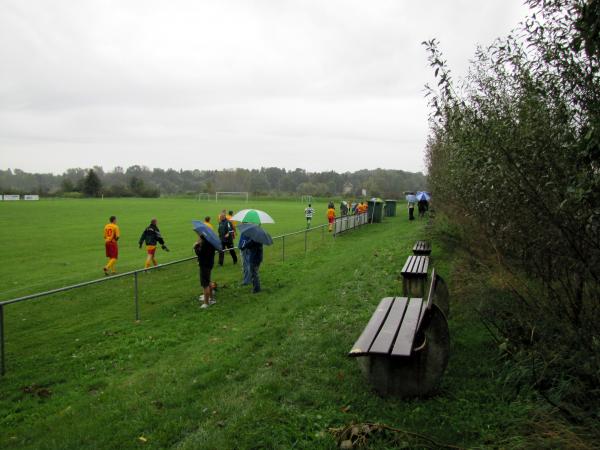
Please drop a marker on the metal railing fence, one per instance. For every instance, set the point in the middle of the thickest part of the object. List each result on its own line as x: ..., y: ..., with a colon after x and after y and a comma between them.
x: 134, y: 274
x: 346, y: 223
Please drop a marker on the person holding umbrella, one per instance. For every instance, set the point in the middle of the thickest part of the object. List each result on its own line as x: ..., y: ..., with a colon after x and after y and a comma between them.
x: 204, y: 248
x: 226, y: 234
x: 253, y: 252
x: 151, y: 236
x: 252, y: 239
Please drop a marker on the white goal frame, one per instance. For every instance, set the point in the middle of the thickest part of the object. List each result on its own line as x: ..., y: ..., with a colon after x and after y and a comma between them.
x: 240, y: 194
x: 307, y: 199
x: 202, y: 195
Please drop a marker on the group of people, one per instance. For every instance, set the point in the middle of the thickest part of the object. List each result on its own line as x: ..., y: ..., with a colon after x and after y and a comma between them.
x: 252, y: 252
x: 150, y: 236
x: 346, y: 208
x: 422, y: 205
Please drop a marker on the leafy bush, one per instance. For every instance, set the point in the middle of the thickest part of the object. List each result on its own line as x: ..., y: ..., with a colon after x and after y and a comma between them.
x: 514, y: 156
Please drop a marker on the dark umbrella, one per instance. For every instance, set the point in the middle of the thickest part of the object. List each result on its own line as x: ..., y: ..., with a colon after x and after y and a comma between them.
x: 204, y: 230
x: 256, y: 233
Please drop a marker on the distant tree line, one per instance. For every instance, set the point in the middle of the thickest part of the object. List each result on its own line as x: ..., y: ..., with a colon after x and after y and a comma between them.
x: 514, y: 159
x: 140, y: 181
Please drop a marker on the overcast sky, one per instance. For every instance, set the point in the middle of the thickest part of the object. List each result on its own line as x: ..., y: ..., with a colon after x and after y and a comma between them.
x: 317, y: 84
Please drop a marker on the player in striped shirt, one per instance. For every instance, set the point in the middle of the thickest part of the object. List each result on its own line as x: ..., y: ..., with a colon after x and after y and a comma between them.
x: 308, y: 212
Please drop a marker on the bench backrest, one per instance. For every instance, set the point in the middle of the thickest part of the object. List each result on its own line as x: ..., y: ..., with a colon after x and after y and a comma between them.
x: 429, y: 301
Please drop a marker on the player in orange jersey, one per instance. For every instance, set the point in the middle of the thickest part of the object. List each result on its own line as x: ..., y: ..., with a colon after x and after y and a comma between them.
x: 111, y: 236
x: 331, y: 217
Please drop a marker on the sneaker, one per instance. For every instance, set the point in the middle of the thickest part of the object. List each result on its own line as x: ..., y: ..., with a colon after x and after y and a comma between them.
x: 201, y: 298
x: 212, y: 302
x: 105, y: 271
x: 203, y: 306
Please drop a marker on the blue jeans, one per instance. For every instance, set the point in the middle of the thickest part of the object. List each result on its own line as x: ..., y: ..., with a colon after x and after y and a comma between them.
x: 255, y: 277
x: 246, y: 278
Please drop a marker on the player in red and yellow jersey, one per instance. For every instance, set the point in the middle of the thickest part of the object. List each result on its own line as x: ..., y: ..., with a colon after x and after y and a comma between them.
x: 331, y: 217
x: 111, y: 236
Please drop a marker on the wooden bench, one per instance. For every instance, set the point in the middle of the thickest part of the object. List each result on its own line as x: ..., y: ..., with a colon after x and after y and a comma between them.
x: 414, y: 275
x: 422, y: 248
x: 403, y: 351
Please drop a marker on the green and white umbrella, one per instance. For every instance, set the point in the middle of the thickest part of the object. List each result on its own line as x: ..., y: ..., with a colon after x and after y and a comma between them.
x: 253, y: 216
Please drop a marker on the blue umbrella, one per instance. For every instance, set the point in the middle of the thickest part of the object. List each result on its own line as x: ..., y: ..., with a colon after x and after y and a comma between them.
x: 204, y: 230
x: 423, y: 196
x: 411, y: 198
x: 256, y: 233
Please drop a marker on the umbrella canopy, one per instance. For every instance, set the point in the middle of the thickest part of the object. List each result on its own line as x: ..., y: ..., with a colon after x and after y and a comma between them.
x: 411, y: 198
x: 204, y: 230
x: 256, y: 233
x: 253, y: 216
x: 423, y: 196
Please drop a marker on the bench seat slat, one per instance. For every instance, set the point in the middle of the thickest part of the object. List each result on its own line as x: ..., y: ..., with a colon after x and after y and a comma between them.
x: 415, y: 266
x: 406, y: 334
x: 422, y: 248
x: 385, y: 339
x: 364, y: 342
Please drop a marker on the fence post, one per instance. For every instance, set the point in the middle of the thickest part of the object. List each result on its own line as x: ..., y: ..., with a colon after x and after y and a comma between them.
x: 305, y: 236
x: 283, y: 248
x: 2, y: 361
x: 135, y: 288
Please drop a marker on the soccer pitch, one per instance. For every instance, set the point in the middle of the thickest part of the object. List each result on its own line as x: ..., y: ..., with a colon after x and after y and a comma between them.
x: 54, y: 243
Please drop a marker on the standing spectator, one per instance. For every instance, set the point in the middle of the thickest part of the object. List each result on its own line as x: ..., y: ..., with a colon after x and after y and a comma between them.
x: 246, y: 277
x: 422, y: 205
x: 344, y: 208
x: 331, y: 216
x: 226, y: 236
x: 205, y: 252
x: 111, y: 236
x: 233, y: 222
x: 411, y: 210
x: 151, y: 236
x: 308, y: 212
x: 255, y: 257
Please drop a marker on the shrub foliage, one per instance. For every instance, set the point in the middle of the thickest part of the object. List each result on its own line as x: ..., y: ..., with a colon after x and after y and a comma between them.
x: 514, y: 156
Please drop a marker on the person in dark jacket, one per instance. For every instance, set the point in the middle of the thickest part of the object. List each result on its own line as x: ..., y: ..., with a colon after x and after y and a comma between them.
x: 205, y: 252
x: 246, y: 278
x: 151, y: 236
x: 255, y: 257
x: 226, y: 234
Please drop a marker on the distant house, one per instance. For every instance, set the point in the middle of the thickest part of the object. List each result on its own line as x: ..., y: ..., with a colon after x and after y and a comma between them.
x: 348, y: 188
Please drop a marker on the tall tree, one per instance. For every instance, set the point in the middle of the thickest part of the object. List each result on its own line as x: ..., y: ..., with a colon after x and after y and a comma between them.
x: 92, y: 186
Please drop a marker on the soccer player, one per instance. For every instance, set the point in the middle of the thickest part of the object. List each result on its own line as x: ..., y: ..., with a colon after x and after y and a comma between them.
x: 151, y: 236
x: 308, y: 212
x: 111, y: 236
x: 331, y: 216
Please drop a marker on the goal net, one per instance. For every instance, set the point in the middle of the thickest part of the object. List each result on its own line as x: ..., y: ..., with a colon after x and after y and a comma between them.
x: 204, y: 196
x: 222, y: 195
x: 306, y: 199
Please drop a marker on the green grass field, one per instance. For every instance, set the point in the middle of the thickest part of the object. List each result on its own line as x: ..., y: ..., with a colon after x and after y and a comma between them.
x: 254, y: 371
x: 53, y: 243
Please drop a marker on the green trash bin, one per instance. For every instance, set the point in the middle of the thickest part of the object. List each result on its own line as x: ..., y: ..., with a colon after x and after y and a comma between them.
x: 390, y: 208
x: 375, y: 210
